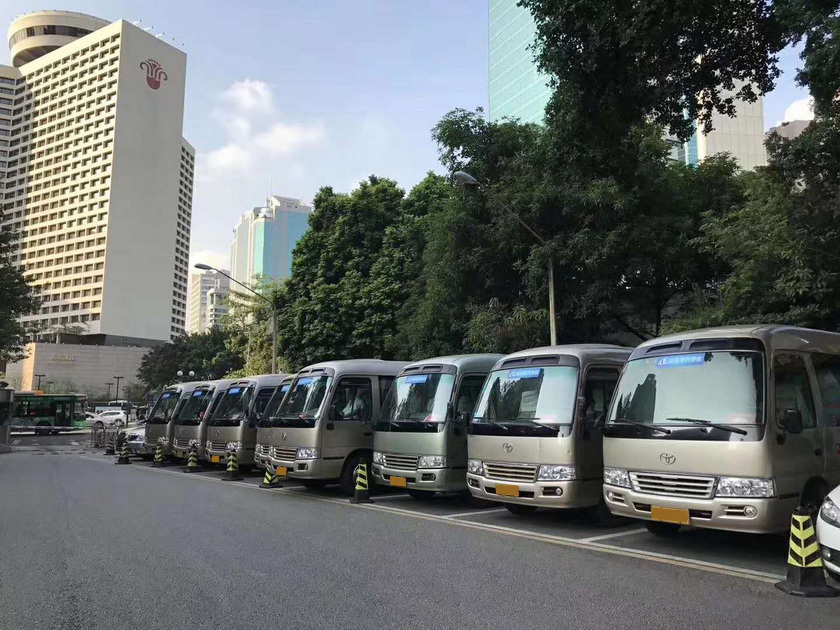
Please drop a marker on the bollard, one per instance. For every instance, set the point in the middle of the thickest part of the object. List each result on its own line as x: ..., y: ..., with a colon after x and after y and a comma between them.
x: 805, y: 576
x: 271, y: 479
x: 123, y: 458
x: 232, y: 471
x: 158, y: 461
x: 192, y: 461
x: 361, y: 495
x: 109, y: 443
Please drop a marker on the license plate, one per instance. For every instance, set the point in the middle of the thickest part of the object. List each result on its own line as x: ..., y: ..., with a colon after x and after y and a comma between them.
x: 215, y: 459
x: 670, y: 515
x: 281, y: 471
x: 507, y: 491
x: 398, y: 482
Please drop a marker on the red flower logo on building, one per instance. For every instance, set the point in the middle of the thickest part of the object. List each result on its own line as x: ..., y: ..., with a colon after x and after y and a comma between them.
x: 154, y: 73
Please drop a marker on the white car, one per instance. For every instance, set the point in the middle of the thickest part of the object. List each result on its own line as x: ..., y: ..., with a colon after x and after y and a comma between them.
x: 828, y: 533
x: 107, y: 419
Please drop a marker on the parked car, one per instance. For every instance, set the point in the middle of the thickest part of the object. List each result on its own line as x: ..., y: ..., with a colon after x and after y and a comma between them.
x: 828, y: 533
x: 106, y: 419
x: 136, y: 439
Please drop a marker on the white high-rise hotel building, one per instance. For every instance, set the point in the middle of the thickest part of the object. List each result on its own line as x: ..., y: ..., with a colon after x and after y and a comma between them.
x: 95, y: 176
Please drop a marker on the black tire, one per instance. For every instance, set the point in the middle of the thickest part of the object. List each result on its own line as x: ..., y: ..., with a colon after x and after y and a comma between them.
x: 54, y: 432
x: 520, y: 510
x: 421, y: 495
x: 812, y: 499
x: 348, y: 475
x: 474, y: 501
x: 602, y: 516
x: 313, y: 484
x: 663, y: 530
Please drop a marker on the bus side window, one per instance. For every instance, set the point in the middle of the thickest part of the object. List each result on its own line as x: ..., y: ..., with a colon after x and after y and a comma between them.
x: 468, y: 393
x: 385, y: 383
x: 353, y: 398
x: 827, y: 368
x: 793, y: 390
x: 598, y: 391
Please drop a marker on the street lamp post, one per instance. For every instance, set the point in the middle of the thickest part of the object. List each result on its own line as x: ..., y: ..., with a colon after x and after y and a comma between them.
x: 204, y: 267
x: 109, y: 390
x: 39, y: 377
x: 467, y: 180
x: 117, y: 392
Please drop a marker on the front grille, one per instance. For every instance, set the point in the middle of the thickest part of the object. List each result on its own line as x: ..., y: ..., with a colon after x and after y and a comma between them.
x: 510, y: 472
x: 218, y: 446
x: 285, y: 453
x: 263, y: 450
x: 402, y: 462
x: 182, y: 442
x: 673, y: 485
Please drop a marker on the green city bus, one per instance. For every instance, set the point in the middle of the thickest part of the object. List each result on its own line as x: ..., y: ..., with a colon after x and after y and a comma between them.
x: 48, y: 413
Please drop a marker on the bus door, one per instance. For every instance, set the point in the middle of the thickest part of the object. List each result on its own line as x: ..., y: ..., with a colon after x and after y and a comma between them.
x: 62, y: 413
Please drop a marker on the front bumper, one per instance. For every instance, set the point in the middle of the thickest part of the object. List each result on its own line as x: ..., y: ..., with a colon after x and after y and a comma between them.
x: 429, y: 479
x: 139, y: 448
x: 727, y: 513
x: 310, y: 468
x: 244, y: 455
x: 549, y: 494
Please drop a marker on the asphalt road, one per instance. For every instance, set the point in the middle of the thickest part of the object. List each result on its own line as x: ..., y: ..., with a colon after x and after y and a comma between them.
x: 85, y: 544
x: 29, y: 439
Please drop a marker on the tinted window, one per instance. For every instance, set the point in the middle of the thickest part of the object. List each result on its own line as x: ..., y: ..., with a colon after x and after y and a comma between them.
x: 793, y: 390
x: 468, y: 393
x: 827, y: 367
x: 263, y: 396
x: 353, y: 399
x: 598, y: 390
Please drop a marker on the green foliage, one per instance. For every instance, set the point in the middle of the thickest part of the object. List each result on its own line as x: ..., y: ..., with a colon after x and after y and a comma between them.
x: 17, y: 299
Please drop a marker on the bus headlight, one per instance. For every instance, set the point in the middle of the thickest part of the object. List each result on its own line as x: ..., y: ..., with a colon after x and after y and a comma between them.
x: 193, y: 442
x: 308, y: 453
x: 830, y: 513
x: 431, y: 461
x: 377, y: 458
x: 616, y: 477
x: 745, y: 487
x: 234, y: 446
x: 556, y: 473
x: 475, y: 466
x: 162, y: 441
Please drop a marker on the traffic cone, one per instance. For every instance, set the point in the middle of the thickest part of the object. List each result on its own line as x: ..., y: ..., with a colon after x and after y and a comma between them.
x: 110, y: 444
x: 361, y: 495
x: 232, y: 471
x: 192, y: 461
x: 158, y: 462
x: 270, y: 479
x: 123, y: 458
x: 805, y: 576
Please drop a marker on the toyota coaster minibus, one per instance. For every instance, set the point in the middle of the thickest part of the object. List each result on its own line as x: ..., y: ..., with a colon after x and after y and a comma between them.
x: 265, y: 429
x: 233, y: 424
x: 726, y: 428
x: 323, y: 426
x: 420, y: 440
x: 535, y: 436
x: 160, y: 419
x: 191, y: 422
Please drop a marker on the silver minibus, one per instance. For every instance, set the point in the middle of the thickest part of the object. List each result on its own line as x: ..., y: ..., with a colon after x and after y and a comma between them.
x: 265, y: 428
x: 324, y: 424
x: 420, y: 440
x: 190, y: 425
x: 535, y: 438
x: 233, y: 424
x: 725, y: 428
x: 160, y: 419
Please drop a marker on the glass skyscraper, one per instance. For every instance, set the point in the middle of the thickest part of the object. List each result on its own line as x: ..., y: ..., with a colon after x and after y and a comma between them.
x: 517, y: 89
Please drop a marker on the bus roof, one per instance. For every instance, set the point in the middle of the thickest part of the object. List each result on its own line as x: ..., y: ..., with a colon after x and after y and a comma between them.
x: 570, y: 354
x: 454, y: 363
x: 375, y: 367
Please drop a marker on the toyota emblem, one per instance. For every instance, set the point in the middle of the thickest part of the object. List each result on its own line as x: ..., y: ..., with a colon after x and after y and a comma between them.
x: 508, y: 447
x: 667, y: 458
x: 217, y: 433
x: 283, y: 436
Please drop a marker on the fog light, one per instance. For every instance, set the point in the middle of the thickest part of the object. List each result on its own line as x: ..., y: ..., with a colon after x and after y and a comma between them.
x: 611, y: 496
x: 826, y: 553
x: 750, y: 511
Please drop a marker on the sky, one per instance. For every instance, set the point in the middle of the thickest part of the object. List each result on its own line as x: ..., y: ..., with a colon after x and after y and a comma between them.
x: 288, y: 96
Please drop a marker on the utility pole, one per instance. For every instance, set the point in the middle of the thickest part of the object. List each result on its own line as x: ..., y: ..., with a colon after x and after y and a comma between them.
x: 117, y: 393
x: 109, y: 390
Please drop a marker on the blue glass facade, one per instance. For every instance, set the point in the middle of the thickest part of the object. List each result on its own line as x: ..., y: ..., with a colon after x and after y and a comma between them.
x: 516, y: 89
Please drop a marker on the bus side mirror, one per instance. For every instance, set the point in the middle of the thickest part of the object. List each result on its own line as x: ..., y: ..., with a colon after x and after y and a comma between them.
x: 791, y: 421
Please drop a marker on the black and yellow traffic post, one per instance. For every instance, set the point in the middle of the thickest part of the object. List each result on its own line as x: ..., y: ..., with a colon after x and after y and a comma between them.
x: 270, y: 479
x: 158, y: 461
x: 362, y: 494
x: 805, y: 576
x: 232, y: 471
x: 192, y: 460
x: 110, y: 444
x: 123, y: 458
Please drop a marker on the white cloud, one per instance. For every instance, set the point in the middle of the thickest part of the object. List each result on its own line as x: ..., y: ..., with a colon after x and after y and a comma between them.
x: 282, y: 138
x: 215, y: 259
x: 802, y: 109
x: 230, y: 158
x: 250, y: 96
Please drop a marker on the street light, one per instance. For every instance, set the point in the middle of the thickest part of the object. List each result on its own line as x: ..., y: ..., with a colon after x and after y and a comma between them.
x: 467, y: 180
x: 205, y: 267
x: 39, y: 377
x: 117, y: 392
x: 109, y: 390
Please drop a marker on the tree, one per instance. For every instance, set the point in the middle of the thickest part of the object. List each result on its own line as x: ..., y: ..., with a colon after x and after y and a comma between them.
x: 18, y: 299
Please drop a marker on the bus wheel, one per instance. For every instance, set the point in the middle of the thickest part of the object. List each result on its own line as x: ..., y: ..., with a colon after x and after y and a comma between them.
x: 420, y: 495
x: 520, y: 510
x: 602, y: 516
x: 663, y: 530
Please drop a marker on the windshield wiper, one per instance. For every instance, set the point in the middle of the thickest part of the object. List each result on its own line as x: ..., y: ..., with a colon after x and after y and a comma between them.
x: 649, y: 427
x: 709, y: 423
x: 493, y: 422
x: 553, y: 427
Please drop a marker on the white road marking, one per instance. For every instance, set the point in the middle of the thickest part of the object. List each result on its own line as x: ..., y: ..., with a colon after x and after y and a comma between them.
x: 74, y: 442
x: 476, y: 513
x: 15, y: 442
x: 638, y: 530
x: 392, y: 496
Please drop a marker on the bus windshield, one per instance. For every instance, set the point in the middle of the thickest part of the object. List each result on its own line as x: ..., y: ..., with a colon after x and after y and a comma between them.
x: 193, y: 410
x: 526, y: 401
x: 301, y: 405
x: 417, y: 403
x: 273, y: 404
x: 720, y: 387
x: 233, y: 407
x: 165, y: 405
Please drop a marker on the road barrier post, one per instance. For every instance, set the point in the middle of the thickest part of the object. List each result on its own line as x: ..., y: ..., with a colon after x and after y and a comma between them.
x: 805, y: 575
x: 123, y: 458
x: 232, y: 471
x: 362, y: 494
x: 271, y: 479
x: 192, y: 460
x: 158, y: 461
x: 110, y: 441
